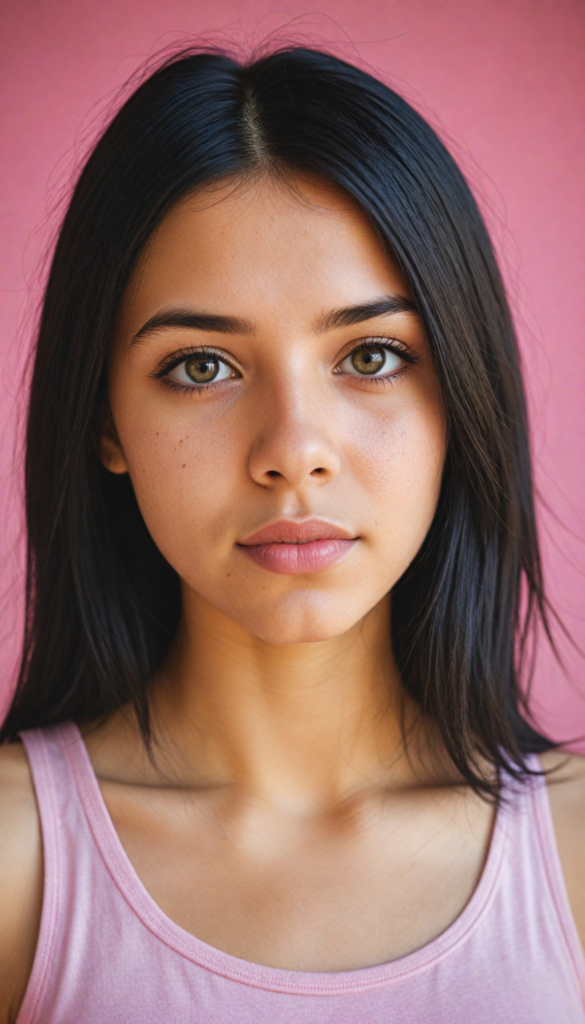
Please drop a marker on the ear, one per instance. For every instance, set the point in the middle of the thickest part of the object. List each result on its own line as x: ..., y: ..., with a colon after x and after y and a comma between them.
x: 108, y: 447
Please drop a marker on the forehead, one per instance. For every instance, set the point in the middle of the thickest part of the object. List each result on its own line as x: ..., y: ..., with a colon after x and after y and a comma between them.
x: 241, y: 246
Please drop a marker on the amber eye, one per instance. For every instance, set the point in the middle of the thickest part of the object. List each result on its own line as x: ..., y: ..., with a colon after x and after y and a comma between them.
x: 202, y: 369
x: 371, y: 361
x: 368, y: 360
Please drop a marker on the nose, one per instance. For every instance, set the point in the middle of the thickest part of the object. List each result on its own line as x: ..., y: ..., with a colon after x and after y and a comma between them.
x: 293, y: 443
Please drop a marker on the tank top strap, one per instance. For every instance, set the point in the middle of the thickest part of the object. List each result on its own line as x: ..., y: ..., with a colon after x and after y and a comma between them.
x: 55, y: 760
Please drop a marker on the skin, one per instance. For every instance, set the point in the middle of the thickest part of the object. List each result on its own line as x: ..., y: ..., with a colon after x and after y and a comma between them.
x: 282, y: 821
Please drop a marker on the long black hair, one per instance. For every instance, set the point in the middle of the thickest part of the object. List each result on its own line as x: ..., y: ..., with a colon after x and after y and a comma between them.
x: 102, y: 603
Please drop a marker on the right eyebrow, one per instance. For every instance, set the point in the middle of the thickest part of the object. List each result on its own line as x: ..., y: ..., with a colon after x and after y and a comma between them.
x: 194, y: 321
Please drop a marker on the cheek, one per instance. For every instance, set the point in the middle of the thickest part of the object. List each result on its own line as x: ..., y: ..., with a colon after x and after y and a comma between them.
x: 398, y: 461
x: 184, y: 472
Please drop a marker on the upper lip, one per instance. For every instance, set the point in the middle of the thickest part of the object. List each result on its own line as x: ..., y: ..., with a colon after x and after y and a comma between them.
x: 291, y: 531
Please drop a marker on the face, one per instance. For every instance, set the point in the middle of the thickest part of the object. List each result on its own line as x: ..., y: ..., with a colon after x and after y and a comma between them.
x: 275, y: 404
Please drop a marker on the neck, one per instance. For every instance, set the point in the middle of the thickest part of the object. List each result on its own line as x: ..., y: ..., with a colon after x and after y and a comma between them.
x: 305, y: 723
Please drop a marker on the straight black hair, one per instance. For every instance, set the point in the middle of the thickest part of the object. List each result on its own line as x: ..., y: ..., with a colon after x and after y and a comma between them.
x: 102, y: 603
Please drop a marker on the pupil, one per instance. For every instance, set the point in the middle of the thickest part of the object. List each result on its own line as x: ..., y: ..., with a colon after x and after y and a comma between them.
x: 368, y: 360
x: 202, y: 370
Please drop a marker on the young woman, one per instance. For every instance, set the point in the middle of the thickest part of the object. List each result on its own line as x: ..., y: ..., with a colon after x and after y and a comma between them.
x: 283, y: 574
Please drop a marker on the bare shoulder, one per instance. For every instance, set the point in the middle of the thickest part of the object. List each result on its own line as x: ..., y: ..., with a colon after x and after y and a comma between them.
x: 566, y: 787
x: 20, y: 878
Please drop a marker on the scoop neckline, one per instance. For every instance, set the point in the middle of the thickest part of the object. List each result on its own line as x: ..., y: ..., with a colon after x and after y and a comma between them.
x: 228, y: 966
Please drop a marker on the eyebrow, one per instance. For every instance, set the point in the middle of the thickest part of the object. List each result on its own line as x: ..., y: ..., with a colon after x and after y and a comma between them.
x: 348, y: 316
x: 193, y: 321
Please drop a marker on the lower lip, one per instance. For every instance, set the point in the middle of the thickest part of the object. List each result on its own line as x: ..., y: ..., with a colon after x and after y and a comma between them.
x: 291, y: 559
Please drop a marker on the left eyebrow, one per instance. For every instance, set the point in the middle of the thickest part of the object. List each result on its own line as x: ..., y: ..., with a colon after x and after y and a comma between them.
x: 350, y: 315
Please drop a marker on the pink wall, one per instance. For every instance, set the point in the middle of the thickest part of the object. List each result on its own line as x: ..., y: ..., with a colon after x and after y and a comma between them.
x: 504, y: 80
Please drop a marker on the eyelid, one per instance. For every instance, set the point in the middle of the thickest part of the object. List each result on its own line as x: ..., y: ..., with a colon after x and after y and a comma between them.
x: 171, y: 362
x: 381, y: 341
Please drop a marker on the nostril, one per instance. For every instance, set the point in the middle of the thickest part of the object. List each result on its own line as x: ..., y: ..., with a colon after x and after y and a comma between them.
x: 273, y: 472
x: 319, y: 469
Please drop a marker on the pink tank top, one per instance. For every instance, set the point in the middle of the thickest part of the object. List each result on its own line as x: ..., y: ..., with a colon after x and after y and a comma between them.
x: 107, y: 954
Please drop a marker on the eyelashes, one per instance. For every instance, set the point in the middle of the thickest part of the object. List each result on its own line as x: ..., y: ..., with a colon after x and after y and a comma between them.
x: 195, y: 369
x: 376, y: 359
x: 204, y: 369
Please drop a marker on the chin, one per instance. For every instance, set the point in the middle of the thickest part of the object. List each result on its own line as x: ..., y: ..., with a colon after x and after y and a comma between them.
x: 300, y: 619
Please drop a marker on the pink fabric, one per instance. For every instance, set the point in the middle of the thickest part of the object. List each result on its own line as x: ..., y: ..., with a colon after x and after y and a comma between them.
x: 107, y: 953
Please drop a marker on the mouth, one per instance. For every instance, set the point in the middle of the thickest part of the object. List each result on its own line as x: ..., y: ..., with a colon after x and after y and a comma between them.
x: 291, y: 547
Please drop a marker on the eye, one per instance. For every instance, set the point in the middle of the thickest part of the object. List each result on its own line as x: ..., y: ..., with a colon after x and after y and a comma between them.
x: 199, y: 369
x: 371, y: 361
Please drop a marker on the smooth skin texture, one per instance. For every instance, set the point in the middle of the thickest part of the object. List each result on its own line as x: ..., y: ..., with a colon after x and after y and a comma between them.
x: 282, y: 822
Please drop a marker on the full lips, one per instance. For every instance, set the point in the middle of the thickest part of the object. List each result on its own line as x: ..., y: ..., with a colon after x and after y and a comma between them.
x: 290, y: 559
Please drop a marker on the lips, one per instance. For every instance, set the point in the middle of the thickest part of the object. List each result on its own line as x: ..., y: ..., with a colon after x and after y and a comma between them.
x: 290, y: 547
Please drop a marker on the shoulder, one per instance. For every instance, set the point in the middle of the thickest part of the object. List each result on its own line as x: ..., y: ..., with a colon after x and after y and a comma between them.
x: 565, y: 776
x: 20, y: 877
x: 566, y: 789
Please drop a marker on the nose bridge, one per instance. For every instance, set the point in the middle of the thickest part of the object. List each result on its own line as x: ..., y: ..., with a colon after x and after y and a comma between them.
x: 293, y: 438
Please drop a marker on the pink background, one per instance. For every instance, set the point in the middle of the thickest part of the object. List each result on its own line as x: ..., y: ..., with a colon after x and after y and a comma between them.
x: 504, y: 83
